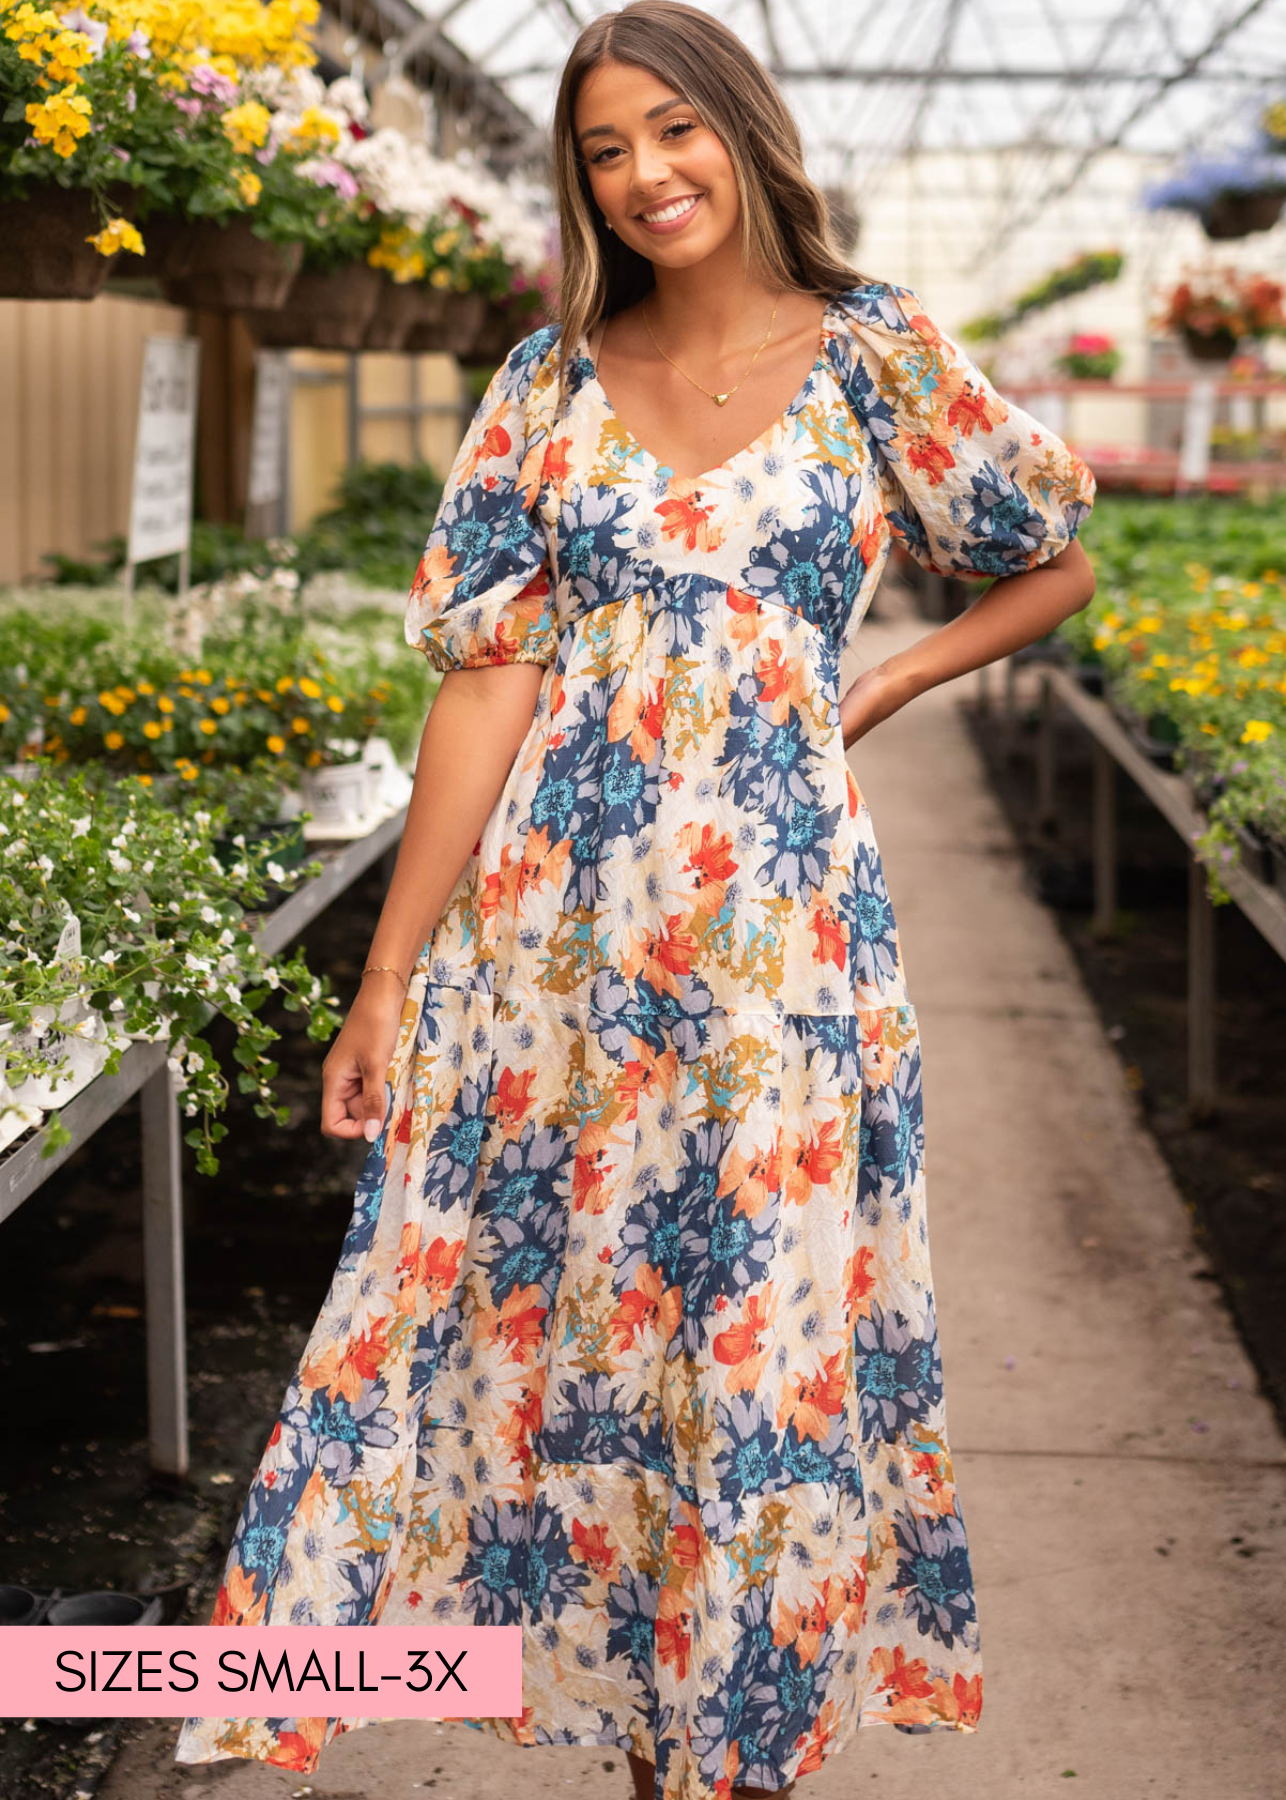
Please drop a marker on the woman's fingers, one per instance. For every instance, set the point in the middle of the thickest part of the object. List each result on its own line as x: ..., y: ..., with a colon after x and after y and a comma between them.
x: 342, y: 1110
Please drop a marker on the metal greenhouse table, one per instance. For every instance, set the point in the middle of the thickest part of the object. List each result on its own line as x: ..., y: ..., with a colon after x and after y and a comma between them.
x: 143, y: 1071
x: 1114, y: 748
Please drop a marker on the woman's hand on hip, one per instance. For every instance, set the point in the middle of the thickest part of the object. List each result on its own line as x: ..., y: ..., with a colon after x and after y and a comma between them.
x: 356, y: 1066
x: 872, y: 697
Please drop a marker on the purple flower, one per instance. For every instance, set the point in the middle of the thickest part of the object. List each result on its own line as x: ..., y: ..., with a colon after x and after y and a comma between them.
x: 137, y: 44
x: 186, y: 104
x: 116, y: 150
x: 324, y: 171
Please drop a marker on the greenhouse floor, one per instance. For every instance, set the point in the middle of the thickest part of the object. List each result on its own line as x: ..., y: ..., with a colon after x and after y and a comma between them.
x: 1122, y: 1473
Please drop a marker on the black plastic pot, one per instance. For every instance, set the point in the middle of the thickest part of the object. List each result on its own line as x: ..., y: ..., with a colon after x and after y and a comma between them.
x: 259, y: 850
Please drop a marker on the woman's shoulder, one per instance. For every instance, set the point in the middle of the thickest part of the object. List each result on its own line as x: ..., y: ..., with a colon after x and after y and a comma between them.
x: 882, y: 306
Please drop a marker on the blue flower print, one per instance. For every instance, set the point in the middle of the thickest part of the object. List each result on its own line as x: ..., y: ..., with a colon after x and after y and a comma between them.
x: 934, y: 1574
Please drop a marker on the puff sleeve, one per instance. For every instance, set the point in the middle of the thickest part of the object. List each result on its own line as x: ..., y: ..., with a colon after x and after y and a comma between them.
x: 482, y: 592
x: 972, y: 484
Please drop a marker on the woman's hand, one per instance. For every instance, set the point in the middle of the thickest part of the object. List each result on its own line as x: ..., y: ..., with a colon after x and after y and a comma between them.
x: 873, y: 697
x: 353, y: 1074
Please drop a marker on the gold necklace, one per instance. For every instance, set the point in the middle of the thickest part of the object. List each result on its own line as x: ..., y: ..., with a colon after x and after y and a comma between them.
x: 719, y: 399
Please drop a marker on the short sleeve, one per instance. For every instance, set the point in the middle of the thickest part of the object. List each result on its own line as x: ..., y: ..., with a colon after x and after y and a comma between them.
x: 482, y: 592
x: 973, y: 485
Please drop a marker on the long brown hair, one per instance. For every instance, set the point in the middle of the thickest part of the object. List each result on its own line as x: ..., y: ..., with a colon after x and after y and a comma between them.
x: 786, y: 232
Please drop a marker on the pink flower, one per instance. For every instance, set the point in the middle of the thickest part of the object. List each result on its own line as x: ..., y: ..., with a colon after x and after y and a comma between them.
x: 324, y: 171
x: 1089, y: 343
x: 215, y: 86
x: 186, y: 104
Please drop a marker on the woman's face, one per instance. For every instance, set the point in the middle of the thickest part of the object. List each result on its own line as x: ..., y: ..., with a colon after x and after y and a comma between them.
x: 647, y: 151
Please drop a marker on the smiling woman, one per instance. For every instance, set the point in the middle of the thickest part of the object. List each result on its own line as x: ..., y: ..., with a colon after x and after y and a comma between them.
x: 633, y: 1339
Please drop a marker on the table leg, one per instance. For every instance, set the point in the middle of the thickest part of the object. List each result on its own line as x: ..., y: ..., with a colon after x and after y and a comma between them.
x: 1201, y: 995
x: 1104, y: 839
x: 1047, y: 760
x: 167, y: 1396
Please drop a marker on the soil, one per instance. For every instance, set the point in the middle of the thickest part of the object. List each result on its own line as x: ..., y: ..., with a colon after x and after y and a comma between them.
x: 79, y: 1508
x: 1230, y: 1168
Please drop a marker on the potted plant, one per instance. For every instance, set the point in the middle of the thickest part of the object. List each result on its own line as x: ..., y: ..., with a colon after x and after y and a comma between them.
x: 1232, y: 195
x: 63, y: 216
x: 1089, y: 356
x: 1214, y: 309
x: 165, y: 940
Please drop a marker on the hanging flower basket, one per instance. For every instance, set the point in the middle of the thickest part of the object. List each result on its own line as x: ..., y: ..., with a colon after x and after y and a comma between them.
x: 326, y: 309
x: 43, y: 252
x: 140, y: 277
x: 400, y: 306
x: 462, y: 322
x: 1210, y: 346
x: 227, y: 268
x: 426, y: 338
x: 498, y: 333
x: 1235, y: 215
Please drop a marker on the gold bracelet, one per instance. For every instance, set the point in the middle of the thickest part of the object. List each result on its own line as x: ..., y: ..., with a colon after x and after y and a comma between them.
x: 384, y: 969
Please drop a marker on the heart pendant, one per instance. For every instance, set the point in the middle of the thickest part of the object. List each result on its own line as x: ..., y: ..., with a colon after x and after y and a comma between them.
x: 720, y: 399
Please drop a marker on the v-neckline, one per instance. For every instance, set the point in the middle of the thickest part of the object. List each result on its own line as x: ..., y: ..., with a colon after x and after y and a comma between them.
x: 756, y: 443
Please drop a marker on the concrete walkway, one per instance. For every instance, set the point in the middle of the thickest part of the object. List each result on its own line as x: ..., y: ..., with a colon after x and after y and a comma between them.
x: 1122, y: 1479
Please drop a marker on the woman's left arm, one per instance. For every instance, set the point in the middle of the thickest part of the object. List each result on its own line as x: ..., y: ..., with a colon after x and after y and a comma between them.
x: 1014, y: 611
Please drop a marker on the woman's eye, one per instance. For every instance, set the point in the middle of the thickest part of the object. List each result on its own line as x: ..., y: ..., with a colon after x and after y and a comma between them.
x: 683, y: 126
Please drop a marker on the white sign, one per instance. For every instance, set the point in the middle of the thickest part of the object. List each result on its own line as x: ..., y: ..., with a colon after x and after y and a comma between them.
x: 161, y: 508
x: 267, y: 436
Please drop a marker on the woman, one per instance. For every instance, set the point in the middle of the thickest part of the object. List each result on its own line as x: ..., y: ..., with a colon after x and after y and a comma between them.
x: 632, y: 1338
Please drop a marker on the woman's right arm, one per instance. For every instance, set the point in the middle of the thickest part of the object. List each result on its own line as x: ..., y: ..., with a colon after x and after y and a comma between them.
x: 474, y: 728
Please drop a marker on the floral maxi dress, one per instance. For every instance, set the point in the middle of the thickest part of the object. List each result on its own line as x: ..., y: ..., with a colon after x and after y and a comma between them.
x: 632, y: 1337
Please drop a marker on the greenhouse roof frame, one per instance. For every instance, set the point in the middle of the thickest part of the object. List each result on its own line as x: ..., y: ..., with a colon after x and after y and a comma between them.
x: 1054, y: 84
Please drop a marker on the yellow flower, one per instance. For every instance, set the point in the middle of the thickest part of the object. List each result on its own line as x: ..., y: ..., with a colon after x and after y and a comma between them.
x: 188, y: 693
x: 262, y: 694
x: 145, y: 779
x: 111, y: 704
x: 1256, y: 731
x: 1209, y: 729
x: 276, y: 744
x: 284, y: 684
x: 440, y: 277
x: 208, y: 726
x: 1151, y: 623
x: 334, y: 702
x: 78, y: 715
x: 152, y: 729
x: 313, y: 759
x: 117, y: 234
x: 165, y: 704
x: 220, y: 705
x: 189, y: 773
x: 204, y: 677
x: 1251, y: 590
x: 114, y: 740
x: 4, y: 712
x: 145, y: 687
x: 246, y: 126
x: 309, y: 687
x: 299, y: 726
x: 250, y: 187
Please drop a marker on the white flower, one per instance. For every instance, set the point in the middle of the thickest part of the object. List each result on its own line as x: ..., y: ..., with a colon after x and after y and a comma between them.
x: 209, y: 916
x: 79, y: 827
x: 45, y: 865
x: 121, y: 864
x: 276, y: 872
x: 110, y: 957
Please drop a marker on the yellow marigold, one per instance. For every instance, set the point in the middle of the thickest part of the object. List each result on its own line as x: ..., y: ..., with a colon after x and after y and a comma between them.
x: 220, y: 705
x: 208, y: 726
x: 1256, y: 731
x: 78, y: 715
x: 188, y: 693
x: 117, y: 234
x: 1209, y: 729
x: 190, y: 773
x: 204, y: 677
x: 284, y: 684
x: 146, y: 780
x: 4, y: 712
x: 110, y: 703
x: 299, y: 726
x: 313, y: 759
x: 246, y: 126
x: 249, y: 186
x: 334, y: 702
x: 151, y: 729
x: 276, y: 744
x: 262, y: 694
x: 309, y: 687
x: 145, y: 687
x: 114, y: 740
x: 1150, y: 623
x: 165, y: 704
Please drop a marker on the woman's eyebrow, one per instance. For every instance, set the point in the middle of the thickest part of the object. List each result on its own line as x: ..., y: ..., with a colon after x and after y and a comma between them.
x: 653, y: 112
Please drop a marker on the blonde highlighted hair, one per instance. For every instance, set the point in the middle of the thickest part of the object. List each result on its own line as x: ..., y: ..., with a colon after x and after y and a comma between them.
x: 786, y: 232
